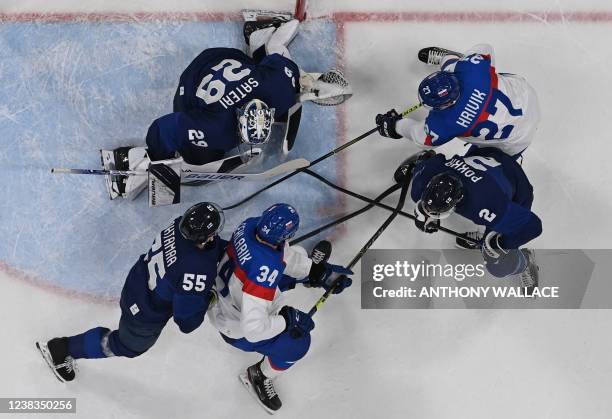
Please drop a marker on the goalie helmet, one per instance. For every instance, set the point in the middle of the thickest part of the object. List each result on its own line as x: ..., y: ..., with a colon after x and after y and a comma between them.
x: 441, y: 195
x: 278, y: 223
x: 202, y: 222
x: 439, y: 90
x: 255, y: 121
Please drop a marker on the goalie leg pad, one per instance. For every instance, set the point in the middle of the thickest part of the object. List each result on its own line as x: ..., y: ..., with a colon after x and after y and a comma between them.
x: 282, y: 37
x: 116, y: 159
x: 165, y: 182
x: 138, y: 160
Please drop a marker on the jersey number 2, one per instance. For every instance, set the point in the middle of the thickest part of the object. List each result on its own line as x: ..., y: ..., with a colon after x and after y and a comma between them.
x: 489, y: 128
x: 211, y: 91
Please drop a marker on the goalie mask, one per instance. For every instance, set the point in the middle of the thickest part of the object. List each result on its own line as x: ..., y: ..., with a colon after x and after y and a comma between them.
x: 255, y: 121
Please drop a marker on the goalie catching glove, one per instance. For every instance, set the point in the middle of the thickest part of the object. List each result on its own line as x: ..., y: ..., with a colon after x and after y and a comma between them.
x: 327, y: 89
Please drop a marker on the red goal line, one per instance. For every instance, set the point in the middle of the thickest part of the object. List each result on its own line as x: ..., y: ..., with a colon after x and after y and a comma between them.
x: 340, y: 17
x: 477, y: 17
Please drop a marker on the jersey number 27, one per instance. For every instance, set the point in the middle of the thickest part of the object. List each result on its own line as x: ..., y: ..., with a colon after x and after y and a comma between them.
x: 490, y: 129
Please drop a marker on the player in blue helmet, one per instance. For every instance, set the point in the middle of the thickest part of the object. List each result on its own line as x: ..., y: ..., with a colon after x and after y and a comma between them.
x: 469, y: 99
x: 258, y: 267
x: 439, y: 90
x: 278, y: 224
x: 224, y: 107
x: 489, y: 188
x: 173, y: 279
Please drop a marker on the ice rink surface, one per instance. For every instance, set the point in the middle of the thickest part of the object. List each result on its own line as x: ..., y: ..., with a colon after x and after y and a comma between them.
x: 73, y: 83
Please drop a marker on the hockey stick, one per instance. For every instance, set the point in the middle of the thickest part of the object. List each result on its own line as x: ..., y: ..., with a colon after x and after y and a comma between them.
x: 375, y: 202
x: 348, y: 216
x: 320, y: 159
x: 289, y: 166
x: 359, y: 255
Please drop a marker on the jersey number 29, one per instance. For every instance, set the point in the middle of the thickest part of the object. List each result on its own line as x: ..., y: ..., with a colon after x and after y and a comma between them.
x: 211, y: 91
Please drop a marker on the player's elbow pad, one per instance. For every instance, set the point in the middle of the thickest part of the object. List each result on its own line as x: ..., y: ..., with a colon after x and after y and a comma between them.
x: 160, y: 138
x: 529, y: 231
x: 190, y: 324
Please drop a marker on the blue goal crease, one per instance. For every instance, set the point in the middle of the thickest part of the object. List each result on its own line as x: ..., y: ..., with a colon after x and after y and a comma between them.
x: 70, y: 89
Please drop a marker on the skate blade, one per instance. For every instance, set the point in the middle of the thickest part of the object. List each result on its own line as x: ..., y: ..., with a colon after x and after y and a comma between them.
x: 46, y: 355
x: 247, y: 384
x: 458, y: 246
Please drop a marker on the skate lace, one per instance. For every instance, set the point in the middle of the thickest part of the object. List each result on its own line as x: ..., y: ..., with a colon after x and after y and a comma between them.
x: 69, y: 363
x: 527, y: 278
x: 435, y: 56
x: 474, y: 235
x: 269, y: 388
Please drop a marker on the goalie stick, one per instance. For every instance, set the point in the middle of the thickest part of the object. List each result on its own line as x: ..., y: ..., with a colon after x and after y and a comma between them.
x: 190, y: 174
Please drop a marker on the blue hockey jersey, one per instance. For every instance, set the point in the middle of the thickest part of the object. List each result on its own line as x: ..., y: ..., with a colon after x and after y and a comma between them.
x: 173, y: 279
x: 497, y: 193
x: 252, y: 278
x: 204, y: 125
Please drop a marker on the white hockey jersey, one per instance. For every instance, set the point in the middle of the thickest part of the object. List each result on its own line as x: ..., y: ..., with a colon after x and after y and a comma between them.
x: 249, y: 285
x: 498, y: 110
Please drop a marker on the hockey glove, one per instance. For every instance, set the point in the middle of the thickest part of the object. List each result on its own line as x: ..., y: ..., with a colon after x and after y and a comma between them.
x: 297, y: 322
x: 386, y: 124
x: 212, y: 298
x: 423, y: 222
x: 403, y: 173
x: 326, y: 275
x: 492, y: 247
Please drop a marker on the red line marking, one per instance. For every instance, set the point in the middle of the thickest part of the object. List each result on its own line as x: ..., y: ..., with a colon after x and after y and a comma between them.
x: 477, y: 17
x: 53, y: 17
x: 35, y: 281
x: 409, y: 16
x: 341, y: 127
